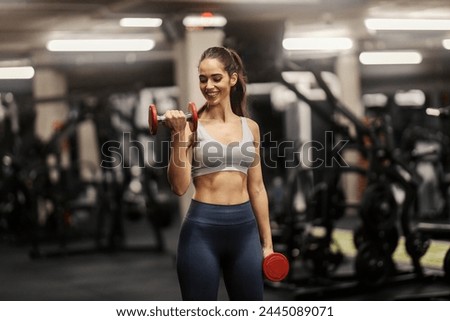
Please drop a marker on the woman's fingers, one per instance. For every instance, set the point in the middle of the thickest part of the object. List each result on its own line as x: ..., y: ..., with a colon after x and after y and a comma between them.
x: 175, y: 120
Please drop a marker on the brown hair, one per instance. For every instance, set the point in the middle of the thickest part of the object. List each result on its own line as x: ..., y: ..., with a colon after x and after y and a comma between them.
x: 232, y: 64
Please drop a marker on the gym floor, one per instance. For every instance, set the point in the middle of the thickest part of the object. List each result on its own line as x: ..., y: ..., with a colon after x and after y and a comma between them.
x: 136, y: 273
x: 139, y: 274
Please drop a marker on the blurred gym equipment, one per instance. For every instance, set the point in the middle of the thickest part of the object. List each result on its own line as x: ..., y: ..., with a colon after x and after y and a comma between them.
x: 384, y: 215
x: 48, y: 203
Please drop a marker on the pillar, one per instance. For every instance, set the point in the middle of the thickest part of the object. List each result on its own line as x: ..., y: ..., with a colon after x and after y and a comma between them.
x: 51, y: 84
x: 188, y: 51
x: 50, y: 87
x: 348, y: 71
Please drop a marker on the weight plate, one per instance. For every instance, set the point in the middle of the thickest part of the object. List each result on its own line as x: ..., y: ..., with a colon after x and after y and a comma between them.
x: 372, y: 266
x: 275, y: 267
x: 194, y: 120
x: 152, y: 119
x: 446, y: 266
x: 389, y: 239
x: 417, y: 244
x: 359, y: 236
x: 379, y: 207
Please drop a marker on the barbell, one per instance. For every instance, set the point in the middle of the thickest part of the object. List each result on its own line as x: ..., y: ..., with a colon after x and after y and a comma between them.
x: 154, y: 119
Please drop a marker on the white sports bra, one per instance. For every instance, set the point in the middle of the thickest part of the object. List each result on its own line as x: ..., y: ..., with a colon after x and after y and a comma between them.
x: 210, y: 156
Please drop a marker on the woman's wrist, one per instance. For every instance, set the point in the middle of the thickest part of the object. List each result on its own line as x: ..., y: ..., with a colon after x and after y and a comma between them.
x: 266, y: 246
x: 178, y: 137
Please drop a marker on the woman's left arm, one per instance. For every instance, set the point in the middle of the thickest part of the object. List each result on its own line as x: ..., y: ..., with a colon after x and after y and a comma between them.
x: 258, y: 194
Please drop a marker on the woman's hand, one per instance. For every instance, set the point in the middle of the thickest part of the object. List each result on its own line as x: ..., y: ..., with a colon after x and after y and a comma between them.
x: 267, y: 251
x: 175, y: 120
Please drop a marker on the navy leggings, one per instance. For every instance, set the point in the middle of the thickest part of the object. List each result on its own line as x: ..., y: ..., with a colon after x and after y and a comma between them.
x: 216, y: 239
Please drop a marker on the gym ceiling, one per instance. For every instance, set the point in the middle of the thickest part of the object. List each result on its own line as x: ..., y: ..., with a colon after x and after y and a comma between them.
x: 256, y: 27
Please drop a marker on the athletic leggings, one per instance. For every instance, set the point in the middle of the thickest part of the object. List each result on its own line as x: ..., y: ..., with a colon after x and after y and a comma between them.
x: 215, y: 239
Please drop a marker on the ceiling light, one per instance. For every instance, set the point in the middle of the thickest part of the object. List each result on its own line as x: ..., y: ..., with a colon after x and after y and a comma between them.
x: 205, y: 20
x: 336, y: 43
x: 414, y: 97
x: 375, y: 100
x: 407, y: 24
x: 25, y: 72
x: 20, y: 62
x: 433, y: 112
x: 446, y: 43
x: 390, y: 58
x: 101, y: 45
x: 141, y: 22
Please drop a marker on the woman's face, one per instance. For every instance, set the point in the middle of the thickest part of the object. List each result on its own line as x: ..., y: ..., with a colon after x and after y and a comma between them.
x: 215, y: 83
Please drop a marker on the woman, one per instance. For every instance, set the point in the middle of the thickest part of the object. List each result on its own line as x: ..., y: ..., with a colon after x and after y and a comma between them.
x: 227, y: 225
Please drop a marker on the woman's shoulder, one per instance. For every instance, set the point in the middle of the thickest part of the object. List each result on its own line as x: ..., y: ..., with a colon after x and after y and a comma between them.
x: 253, y: 125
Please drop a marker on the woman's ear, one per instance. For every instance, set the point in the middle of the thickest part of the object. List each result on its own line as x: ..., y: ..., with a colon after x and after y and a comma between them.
x: 233, y: 79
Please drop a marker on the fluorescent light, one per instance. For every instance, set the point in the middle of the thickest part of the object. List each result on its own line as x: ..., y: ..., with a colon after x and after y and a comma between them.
x: 141, y: 22
x: 390, y: 58
x: 446, y: 43
x: 407, y: 24
x: 25, y: 72
x: 101, y: 45
x: 433, y: 112
x: 412, y: 97
x: 375, y: 100
x: 336, y: 43
x: 15, y: 63
x: 204, y: 20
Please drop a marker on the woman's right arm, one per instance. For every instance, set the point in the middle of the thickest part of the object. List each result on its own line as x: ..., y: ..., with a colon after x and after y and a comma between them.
x: 179, y: 168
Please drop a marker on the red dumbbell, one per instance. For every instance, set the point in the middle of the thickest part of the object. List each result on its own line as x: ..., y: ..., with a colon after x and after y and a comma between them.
x: 154, y: 119
x: 275, y: 267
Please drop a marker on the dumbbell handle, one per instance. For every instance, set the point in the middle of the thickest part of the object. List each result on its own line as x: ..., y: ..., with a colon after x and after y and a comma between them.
x: 154, y: 119
x: 162, y: 119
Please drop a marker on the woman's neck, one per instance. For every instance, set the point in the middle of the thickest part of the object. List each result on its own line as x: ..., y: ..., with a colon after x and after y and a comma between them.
x: 219, y: 112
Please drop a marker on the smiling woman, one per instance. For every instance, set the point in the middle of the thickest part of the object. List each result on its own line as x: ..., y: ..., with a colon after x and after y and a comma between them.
x: 227, y: 225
